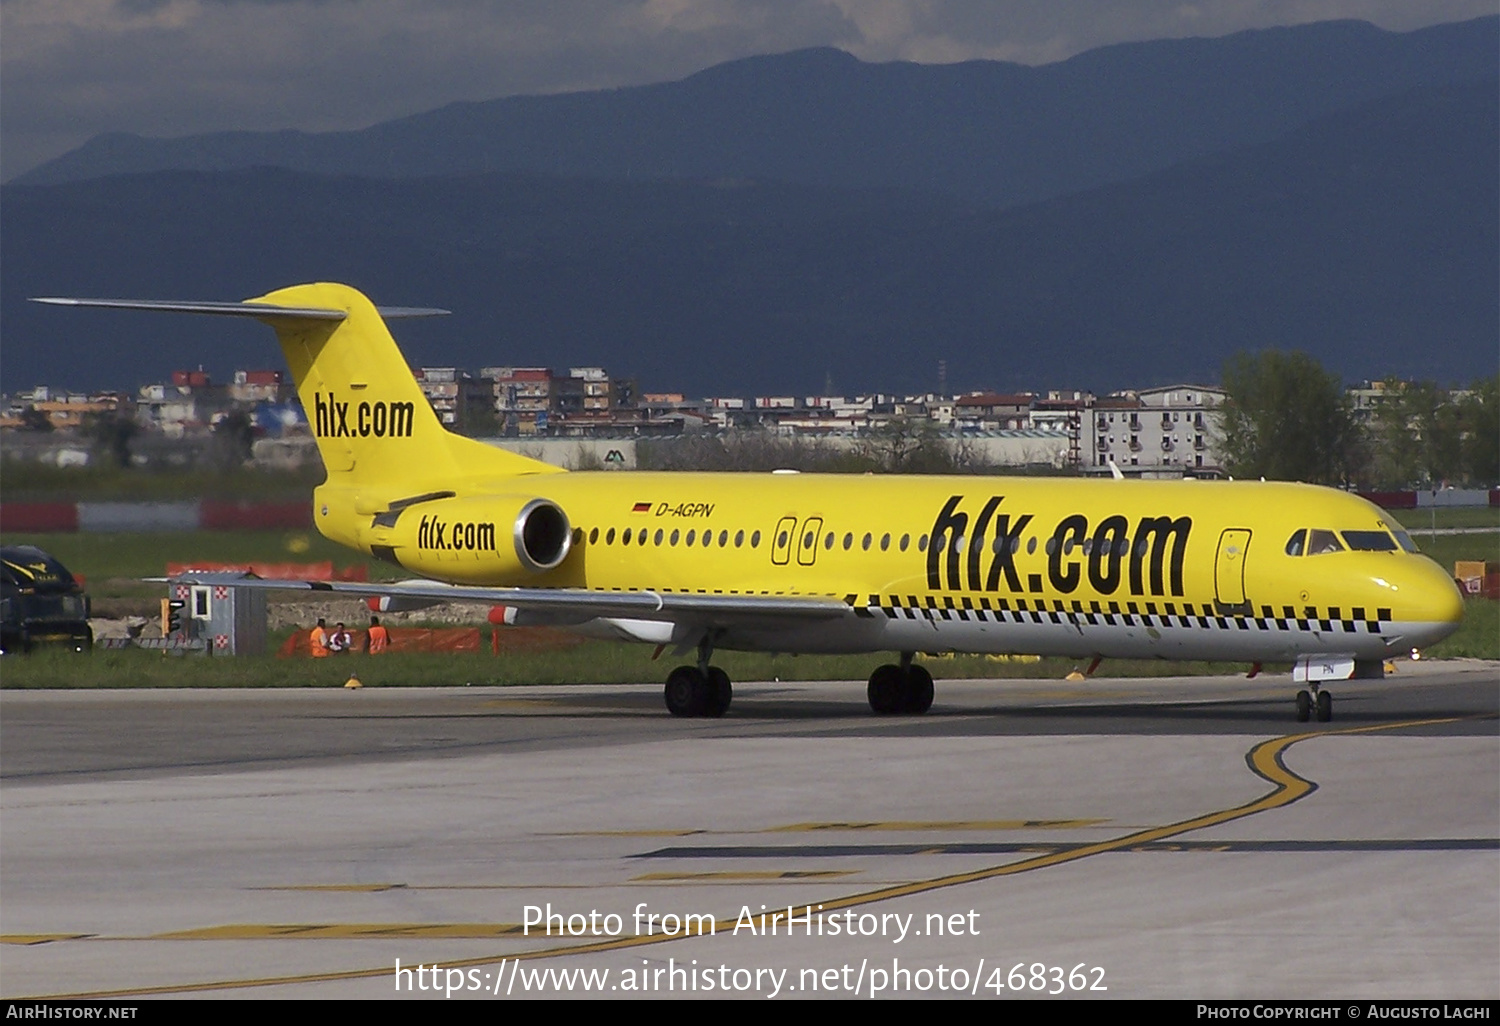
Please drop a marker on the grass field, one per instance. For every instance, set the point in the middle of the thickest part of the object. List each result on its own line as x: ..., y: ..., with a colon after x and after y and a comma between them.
x: 1477, y: 638
x: 27, y: 481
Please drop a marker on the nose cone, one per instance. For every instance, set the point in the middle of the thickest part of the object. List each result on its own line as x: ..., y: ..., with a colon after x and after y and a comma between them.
x: 1436, y: 604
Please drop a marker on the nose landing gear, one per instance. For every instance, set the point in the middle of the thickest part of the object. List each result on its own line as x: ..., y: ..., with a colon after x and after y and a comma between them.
x: 1315, y: 699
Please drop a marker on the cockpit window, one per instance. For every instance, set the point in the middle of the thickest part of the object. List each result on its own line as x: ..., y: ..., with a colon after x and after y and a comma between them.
x: 1319, y: 542
x: 1295, y: 543
x: 1369, y: 541
x: 1404, y: 540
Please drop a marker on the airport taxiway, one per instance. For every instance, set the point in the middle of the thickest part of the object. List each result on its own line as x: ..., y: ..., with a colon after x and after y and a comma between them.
x: 1166, y: 837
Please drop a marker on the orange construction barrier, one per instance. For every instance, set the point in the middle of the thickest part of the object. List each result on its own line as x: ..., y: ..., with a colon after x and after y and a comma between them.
x: 403, y: 639
x: 531, y: 639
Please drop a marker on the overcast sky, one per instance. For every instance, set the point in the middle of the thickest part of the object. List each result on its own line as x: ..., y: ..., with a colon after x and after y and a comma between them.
x: 70, y: 69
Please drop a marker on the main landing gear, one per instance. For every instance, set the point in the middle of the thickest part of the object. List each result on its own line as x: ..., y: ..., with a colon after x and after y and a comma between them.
x: 700, y: 690
x: 900, y: 689
x: 705, y: 690
x: 1317, y: 699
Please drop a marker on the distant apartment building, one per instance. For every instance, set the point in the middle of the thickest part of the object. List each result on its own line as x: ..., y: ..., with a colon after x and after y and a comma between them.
x: 1366, y: 398
x: 260, y: 386
x: 596, y: 391
x: 522, y: 397
x: 186, y: 405
x: 817, y: 414
x: 668, y: 413
x: 583, y: 402
x: 991, y: 411
x: 462, y: 403
x: 726, y: 413
x: 63, y: 411
x: 913, y: 407
x: 1170, y: 431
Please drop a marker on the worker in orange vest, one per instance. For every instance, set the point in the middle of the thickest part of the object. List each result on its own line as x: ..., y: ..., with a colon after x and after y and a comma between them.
x: 318, y: 640
x: 377, y: 638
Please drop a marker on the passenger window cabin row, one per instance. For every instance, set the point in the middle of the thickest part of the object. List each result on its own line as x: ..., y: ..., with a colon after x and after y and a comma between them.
x: 643, y: 536
x: 1303, y: 542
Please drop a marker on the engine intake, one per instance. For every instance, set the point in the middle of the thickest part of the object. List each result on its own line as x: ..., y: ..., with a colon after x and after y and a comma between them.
x: 543, y: 535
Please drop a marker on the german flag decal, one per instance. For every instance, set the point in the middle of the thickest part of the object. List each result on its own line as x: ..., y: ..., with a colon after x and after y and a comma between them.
x: 641, y: 507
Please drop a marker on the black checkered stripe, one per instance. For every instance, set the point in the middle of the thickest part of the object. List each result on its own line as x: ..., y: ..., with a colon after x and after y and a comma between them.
x: 1145, y: 614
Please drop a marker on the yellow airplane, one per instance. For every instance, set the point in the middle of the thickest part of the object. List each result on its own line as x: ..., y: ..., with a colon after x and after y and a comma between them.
x: 787, y: 562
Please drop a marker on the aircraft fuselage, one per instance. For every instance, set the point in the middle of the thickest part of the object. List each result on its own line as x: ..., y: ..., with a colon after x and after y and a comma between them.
x: 1184, y: 570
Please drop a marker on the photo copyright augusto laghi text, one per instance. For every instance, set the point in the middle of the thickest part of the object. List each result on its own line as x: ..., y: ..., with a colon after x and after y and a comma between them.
x: 982, y: 975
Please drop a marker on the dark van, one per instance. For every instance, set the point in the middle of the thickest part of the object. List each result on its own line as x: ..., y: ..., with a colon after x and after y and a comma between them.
x: 41, y: 602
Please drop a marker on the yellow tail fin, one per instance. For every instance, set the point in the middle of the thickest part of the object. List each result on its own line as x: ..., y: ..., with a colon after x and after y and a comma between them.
x: 366, y: 411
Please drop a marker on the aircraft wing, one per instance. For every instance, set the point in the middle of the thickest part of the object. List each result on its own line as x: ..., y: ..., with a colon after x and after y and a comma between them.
x: 575, y: 603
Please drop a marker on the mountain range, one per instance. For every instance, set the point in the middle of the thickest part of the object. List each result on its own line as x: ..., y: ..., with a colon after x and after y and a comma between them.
x: 1128, y: 217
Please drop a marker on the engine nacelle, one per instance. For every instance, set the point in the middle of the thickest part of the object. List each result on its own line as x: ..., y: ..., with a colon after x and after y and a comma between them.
x: 490, y: 540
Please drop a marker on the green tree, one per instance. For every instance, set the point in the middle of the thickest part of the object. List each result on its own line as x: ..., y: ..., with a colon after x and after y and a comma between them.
x: 1401, y: 433
x: 33, y: 419
x: 906, y: 446
x: 1479, y: 413
x: 899, y: 447
x: 1287, y: 419
x: 111, y: 433
x: 737, y: 451
x: 480, y: 422
x: 1423, y: 435
x: 233, y: 438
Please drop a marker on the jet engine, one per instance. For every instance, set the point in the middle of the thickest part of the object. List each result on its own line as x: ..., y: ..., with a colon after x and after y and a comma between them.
x: 502, y: 539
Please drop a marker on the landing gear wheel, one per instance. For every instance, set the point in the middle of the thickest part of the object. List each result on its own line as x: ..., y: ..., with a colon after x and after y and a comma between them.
x: 1325, y: 707
x: 919, y: 691
x: 887, y: 690
x: 718, y: 693
x: 1304, y: 707
x: 687, y: 692
x: 893, y: 690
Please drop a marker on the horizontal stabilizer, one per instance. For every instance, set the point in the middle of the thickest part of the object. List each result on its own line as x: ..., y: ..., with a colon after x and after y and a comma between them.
x: 264, y: 311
